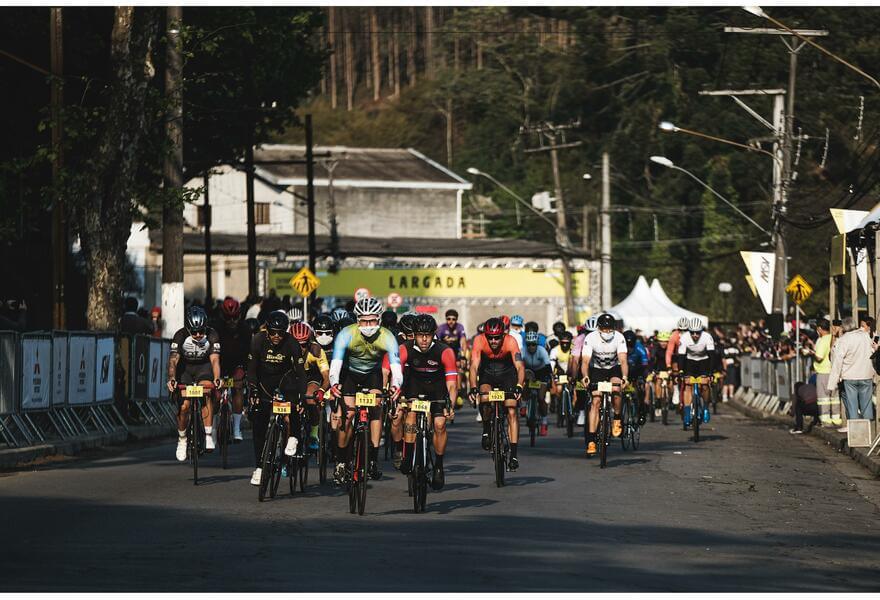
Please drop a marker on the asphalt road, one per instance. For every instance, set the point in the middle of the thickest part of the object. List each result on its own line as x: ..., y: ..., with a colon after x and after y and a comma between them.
x: 749, y: 508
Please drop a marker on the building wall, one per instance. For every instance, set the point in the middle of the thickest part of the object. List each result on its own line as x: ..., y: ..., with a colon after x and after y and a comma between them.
x: 381, y: 212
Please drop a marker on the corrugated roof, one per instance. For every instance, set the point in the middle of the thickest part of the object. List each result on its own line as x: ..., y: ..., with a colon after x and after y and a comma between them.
x: 357, y: 167
x: 270, y: 244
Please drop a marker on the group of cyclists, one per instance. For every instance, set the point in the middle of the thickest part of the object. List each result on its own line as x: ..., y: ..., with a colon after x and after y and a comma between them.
x: 324, y: 365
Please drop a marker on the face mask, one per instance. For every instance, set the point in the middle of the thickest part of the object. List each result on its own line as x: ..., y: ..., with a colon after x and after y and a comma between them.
x: 565, y: 347
x: 324, y: 339
x: 369, y: 331
x: 606, y: 337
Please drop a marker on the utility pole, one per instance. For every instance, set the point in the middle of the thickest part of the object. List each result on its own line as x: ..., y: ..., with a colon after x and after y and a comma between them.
x: 59, y: 221
x: 172, y: 213
x: 330, y: 166
x: 606, y: 231
x: 251, y: 210
x: 310, y: 193
x: 784, y: 142
x: 554, y: 135
x: 206, y: 219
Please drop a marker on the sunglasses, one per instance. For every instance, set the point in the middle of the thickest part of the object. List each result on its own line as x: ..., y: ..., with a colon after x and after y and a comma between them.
x: 197, y: 332
x: 451, y: 319
x: 494, y: 338
x: 276, y: 332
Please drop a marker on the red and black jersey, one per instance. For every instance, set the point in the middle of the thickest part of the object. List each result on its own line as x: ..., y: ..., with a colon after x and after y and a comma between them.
x: 433, y: 366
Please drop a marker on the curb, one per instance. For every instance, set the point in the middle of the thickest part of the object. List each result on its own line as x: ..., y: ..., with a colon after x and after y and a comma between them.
x: 836, y: 440
x: 16, y: 457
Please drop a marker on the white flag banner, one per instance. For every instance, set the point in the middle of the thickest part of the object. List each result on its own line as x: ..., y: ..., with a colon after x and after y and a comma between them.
x: 762, y: 266
x: 847, y: 220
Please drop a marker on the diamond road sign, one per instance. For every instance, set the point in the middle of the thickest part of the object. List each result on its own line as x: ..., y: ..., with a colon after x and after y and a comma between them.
x: 799, y: 290
x: 304, y: 282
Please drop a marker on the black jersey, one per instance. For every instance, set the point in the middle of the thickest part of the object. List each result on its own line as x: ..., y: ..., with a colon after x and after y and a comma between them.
x: 195, y: 352
x: 271, y: 367
x: 236, y: 344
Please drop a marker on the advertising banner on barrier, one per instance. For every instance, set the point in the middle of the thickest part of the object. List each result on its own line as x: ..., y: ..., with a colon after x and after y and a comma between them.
x: 155, y: 374
x: 755, y: 383
x: 140, y: 367
x: 163, y: 368
x: 59, y: 368
x: 36, y: 373
x: 745, y: 375
x: 8, y: 373
x: 783, y: 380
x: 105, y: 369
x: 81, y: 367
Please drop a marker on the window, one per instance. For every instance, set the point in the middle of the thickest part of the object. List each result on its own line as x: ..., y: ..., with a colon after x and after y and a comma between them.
x: 261, y: 213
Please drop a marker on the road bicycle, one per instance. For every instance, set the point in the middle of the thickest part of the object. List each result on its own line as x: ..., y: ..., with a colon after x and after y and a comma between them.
x: 629, y: 417
x: 565, y: 409
x: 422, y: 466
x: 326, y: 439
x: 499, y: 441
x: 606, y: 414
x: 224, y: 423
x: 715, y: 391
x: 273, y: 458
x: 358, y: 464
x: 697, y: 404
x: 195, y: 431
x: 533, y: 396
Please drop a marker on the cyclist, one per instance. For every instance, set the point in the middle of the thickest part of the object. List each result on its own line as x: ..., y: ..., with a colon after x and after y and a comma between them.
x: 404, y: 328
x: 574, y: 367
x: 603, y: 358
x: 515, y: 325
x: 657, y: 363
x: 637, y: 357
x: 389, y: 320
x: 235, y: 339
x: 553, y: 339
x: 194, y: 359
x: 452, y: 334
x: 357, y: 363
x: 536, y: 360
x: 275, y: 364
x: 324, y: 334
x: 560, y: 357
x: 317, y: 374
x: 694, y: 353
x: 429, y: 369
x: 674, y: 340
x: 295, y: 314
x: 496, y: 361
x: 341, y: 319
x: 533, y: 326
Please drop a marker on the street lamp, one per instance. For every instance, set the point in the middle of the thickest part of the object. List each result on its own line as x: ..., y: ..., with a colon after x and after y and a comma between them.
x: 517, y: 197
x: 662, y: 160
x: 671, y: 128
x: 759, y: 12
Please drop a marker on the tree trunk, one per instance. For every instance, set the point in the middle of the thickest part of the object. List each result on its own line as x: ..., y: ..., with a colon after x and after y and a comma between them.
x: 429, y: 42
x: 349, y: 62
x: 374, y: 54
x: 104, y: 219
x: 449, y: 132
x: 456, y: 48
x: 395, y: 54
x: 411, y: 49
x: 364, y: 41
x: 479, y: 55
x: 331, y: 41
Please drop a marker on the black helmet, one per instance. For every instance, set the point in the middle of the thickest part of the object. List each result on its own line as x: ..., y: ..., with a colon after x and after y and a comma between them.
x: 389, y: 319
x: 605, y: 321
x: 277, y: 320
x: 424, y: 324
x: 254, y: 324
x: 565, y: 336
x: 630, y: 336
x: 323, y: 322
x: 558, y: 328
x: 195, y: 320
x: 406, y: 323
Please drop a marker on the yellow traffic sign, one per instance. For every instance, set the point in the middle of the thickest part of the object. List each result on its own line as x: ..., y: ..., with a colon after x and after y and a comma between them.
x: 799, y: 290
x: 304, y: 282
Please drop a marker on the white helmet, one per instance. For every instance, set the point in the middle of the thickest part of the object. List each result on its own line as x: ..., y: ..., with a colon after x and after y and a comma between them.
x: 368, y: 306
x: 683, y: 323
x: 590, y: 324
x: 696, y: 325
x: 295, y: 314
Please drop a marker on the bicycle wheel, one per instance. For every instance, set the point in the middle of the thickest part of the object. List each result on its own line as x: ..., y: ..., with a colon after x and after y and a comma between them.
x: 386, y: 433
x: 223, y: 434
x: 497, y: 453
x: 362, y: 453
x: 569, y: 413
x: 626, y: 422
x: 664, y: 407
x: 697, y: 414
x: 323, y: 454
x: 418, y: 475
x: 267, y: 464
x: 195, y: 437
x: 303, y: 471
x: 279, y: 459
x: 604, y: 430
x: 715, y: 394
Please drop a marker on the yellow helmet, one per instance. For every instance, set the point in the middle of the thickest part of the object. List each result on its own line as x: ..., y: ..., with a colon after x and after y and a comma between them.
x: 663, y: 336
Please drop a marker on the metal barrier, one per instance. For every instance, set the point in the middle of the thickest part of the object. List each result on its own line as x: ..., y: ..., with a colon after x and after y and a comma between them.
x: 770, y: 383
x: 149, y: 357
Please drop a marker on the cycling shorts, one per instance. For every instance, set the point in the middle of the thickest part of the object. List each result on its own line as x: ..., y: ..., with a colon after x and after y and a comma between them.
x: 504, y: 380
x: 353, y: 382
x: 432, y: 390
x: 697, y: 368
x: 544, y: 374
x: 597, y: 375
x: 313, y: 375
x: 192, y: 373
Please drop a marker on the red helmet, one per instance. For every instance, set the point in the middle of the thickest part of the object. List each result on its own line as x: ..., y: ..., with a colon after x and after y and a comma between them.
x: 231, y: 308
x: 302, y: 332
x: 493, y: 326
x: 505, y: 320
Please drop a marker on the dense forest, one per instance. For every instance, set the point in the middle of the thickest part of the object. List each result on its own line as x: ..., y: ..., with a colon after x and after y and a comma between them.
x: 461, y: 84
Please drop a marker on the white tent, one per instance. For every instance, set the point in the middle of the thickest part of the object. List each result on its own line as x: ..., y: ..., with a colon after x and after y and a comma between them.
x: 649, y: 308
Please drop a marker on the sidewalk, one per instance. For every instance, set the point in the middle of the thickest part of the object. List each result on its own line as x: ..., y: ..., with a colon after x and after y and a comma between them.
x: 13, y: 458
x: 836, y: 440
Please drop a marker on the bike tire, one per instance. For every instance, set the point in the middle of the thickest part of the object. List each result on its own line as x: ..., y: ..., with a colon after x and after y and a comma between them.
x: 636, y: 437
x: 323, y: 454
x: 605, y: 431
x: 664, y: 409
x: 223, y: 435
x: 497, y: 453
x: 195, y: 436
x: 303, y: 472
x: 278, y: 459
x: 418, y: 475
x: 267, y: 463
x: 696, y: 415
x: 292, y: 470
x: 386, y: 433
x: 625, y: 420
x: 363, y: 457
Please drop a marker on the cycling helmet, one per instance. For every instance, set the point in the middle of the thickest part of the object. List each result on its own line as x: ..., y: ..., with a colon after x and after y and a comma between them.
x: 590, y: 324
x: 630, y: 336
x: 367, y: 306
x: 558, y: 328
x: 565, y: 336
x: 231, y: 309
x: 323, y: 322
x: 339, y: 314
x: 302, y: 332
x: 683, y: 324
x: 389, y: 319
x: 406, y: 323
x: 195, y: 320
x: 531, y: 337
x: 424, y: 324
x: 663, y: 336
x: 505, y: 320
x: 277, y: 321
x: 517, y: 320
x: 254, y: 324
x: 295, y: 314
x: 581, y: 330
x: 605, y: 321
x: 696, y: 325
x: 532, y: 326
x: 493, y: 326
x: 481, y: 327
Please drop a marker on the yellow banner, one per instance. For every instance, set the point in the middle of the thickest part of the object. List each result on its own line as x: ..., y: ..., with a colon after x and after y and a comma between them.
x: 442, y: 283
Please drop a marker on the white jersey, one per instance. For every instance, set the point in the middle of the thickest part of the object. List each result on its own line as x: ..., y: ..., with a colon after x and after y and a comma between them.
x: 602, y: 354
x: 698, y: 350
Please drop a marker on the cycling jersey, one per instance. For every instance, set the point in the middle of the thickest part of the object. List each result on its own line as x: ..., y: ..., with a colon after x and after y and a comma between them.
x: 426, y: 373
x: 672, y: 347
x: 272, y: 367
x: 698, y: 350
x: 236, y: 343
x: 451, y: 336
x: 602, y: 354
x: 537, y: 360
x: 559, y: 359
x: 194, y: 352
x: 577, y: 345
x: 502, y: 359
x: 363, y: 356
x: 315, y: 362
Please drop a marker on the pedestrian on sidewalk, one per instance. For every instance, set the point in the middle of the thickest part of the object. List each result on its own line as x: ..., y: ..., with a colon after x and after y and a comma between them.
x: 851, y: 364
x: 805, y: 403
x: 828, y: 403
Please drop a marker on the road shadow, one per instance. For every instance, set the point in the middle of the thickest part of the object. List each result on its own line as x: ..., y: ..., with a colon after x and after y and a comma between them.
x: 624, y: 462
x: 522, y: 481
x: 445, y: 507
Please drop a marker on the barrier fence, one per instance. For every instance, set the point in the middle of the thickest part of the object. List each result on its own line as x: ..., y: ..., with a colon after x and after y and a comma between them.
x: 63, y: 385
x: 771, y: 382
